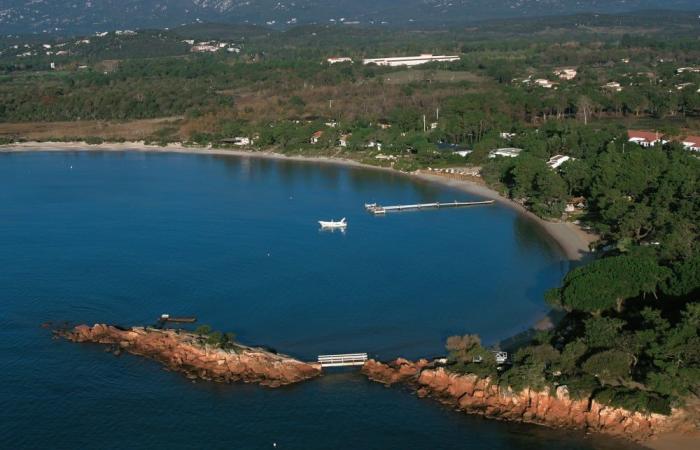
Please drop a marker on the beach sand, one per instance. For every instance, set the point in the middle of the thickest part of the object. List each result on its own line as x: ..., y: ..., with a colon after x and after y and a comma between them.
x: 675, y: 441
x: 573, y: 241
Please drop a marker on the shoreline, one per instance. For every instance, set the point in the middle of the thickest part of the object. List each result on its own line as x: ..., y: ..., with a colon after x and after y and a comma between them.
x: 570, y: 238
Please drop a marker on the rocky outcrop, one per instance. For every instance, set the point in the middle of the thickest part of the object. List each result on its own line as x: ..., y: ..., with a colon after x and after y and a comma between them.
x: 475, y: 395
x: 184, y: 352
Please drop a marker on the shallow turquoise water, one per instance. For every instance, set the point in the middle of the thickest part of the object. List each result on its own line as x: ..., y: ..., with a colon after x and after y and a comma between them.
x: 124, y: 237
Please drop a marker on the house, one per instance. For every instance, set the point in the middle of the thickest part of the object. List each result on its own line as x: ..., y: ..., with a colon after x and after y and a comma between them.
x: 338, y: 59
x: 238, y: 140
x: 343, y: 140
x: 566, y: 73
x: 505, y: 152
x: 541, y: 82
x: 410, y: 60
x: 692, y: 143
x: 613, y: 86
x: 557, y: 160
x: 575, y: 204
x: 645, y: 138
x: 373, y: 144
x: 316, y: 137
x: 688, y: 69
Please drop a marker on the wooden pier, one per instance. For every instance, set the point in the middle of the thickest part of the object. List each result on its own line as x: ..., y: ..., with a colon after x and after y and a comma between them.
x: 350, y: 359
x: 379, y: 209
x: 166, y: 318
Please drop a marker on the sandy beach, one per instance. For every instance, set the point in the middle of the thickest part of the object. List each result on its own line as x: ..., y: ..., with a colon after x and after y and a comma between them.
x: 674, y: 441
x: 573, y: 241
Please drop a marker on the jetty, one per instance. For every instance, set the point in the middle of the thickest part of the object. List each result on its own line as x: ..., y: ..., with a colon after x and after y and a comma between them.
x: 166, y: 318
x: 377, y: 209
x: 348, y: 359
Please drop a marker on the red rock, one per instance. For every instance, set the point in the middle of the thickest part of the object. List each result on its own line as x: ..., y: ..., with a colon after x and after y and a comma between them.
x: 181, y: 352
x: 554, y: 409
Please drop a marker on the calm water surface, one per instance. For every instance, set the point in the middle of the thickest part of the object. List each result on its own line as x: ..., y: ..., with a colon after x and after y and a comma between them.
x: 124, y: 237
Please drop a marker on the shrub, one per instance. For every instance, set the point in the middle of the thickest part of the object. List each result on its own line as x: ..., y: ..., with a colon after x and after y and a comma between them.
x: 634, y: 400
x: 203, y: 330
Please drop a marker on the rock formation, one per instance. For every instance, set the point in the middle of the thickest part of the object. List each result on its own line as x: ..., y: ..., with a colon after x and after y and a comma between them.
x: 185, y: 352
x: 475, y: 395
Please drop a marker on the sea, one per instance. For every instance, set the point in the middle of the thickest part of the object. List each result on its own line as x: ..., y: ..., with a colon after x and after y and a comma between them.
x: 123, y: 237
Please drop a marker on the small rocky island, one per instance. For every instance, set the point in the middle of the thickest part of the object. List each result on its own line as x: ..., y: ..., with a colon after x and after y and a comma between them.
x: 194, y: 355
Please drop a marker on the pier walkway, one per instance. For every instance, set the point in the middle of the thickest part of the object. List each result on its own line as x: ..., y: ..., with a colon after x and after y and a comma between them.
x: 376, y: 209
x: 350, y: 359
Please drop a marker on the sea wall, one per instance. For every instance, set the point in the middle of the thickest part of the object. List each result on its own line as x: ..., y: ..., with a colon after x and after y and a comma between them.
x: 183, y: 352
x: 474, y: 395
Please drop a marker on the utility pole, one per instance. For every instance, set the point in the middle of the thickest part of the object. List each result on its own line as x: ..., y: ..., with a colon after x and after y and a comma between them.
x: 424, y: 126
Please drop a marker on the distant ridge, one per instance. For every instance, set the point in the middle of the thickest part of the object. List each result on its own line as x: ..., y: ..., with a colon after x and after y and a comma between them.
x: 80, y: 16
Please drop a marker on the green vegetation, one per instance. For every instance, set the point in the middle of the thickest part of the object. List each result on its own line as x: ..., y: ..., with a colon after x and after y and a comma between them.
x: 225, y: 341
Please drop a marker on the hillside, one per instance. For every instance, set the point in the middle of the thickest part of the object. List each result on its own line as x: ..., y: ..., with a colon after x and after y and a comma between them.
x: 51, y: 16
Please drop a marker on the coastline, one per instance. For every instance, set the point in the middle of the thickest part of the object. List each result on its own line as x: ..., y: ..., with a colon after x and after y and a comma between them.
x: 570, y: 238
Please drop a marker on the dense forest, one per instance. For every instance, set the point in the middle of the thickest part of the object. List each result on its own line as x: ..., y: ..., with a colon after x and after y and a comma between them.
x: 630, y: 332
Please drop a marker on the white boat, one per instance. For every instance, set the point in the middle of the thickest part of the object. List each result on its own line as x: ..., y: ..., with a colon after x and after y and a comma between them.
x: 342, y: 223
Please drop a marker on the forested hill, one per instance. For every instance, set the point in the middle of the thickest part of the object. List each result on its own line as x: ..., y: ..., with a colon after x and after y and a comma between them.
x: 75, y: 16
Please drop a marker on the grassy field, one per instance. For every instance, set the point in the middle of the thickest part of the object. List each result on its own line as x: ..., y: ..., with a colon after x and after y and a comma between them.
x: 135, y: 130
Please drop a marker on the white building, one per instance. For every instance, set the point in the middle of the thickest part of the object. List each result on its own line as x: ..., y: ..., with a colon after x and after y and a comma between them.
x: 557, y: 160
x: 373, y: 144
x: 410, y: 60
x: 541, y: 82
x: 613, y: 86
x: 343, y: 140
x: 566, y: 74
x: 339, y: 59
x: 241, y: 140
x: 505, y: 152
x: 206, y: 47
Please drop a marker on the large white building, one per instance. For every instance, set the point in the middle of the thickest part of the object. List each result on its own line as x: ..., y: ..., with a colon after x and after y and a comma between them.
x: 505, y: 152
x: 338, y: 59
x: 557, y: 160
x: 410, y: 60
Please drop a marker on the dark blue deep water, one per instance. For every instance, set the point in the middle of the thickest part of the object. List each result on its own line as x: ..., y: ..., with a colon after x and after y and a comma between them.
x: 123, y: 237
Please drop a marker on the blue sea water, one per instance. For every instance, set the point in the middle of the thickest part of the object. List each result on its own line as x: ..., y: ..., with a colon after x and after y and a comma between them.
x: 121, y: 238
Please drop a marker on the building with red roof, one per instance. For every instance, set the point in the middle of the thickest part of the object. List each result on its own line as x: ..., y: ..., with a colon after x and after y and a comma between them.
x: 692, y: 143
x: 645, y: 138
